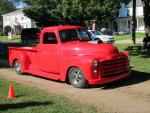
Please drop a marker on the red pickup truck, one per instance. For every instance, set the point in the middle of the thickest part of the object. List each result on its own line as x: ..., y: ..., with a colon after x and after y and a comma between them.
x: 66, y: 53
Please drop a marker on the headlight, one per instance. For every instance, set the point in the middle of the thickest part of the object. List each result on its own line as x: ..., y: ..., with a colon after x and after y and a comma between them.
x: 95, y: 67
x: 95, y: 63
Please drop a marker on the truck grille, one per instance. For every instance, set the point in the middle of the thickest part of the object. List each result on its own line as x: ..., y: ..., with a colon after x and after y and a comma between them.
x: 114, y: 67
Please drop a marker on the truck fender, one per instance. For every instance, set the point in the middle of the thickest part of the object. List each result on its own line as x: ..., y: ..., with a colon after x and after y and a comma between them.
x: 126, y: 53
x: 23, y: 59
x: 65, y: 69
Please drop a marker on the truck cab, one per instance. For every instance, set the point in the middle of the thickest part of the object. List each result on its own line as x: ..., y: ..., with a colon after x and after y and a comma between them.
x: 66, y: 53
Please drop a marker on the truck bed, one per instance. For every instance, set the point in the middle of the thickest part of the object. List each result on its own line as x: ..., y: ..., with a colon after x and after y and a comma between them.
x: 4, y: 47
x: 24, y: 53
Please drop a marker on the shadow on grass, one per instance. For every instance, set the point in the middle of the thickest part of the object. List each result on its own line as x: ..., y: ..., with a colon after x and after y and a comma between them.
x: 135, y: 78
x: 4, y: 107
x: 137, y: 50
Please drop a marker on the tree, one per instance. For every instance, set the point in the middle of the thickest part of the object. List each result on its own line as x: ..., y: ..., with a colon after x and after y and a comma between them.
x: 77, y: 11
x: 146, y: 10
x: 134, y: 22
x: 44, y: 12
x: 6, y: 6
x: 55, y: 12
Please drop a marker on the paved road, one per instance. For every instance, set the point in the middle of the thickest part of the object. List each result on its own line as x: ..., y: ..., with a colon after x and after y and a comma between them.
x: 128, y: 96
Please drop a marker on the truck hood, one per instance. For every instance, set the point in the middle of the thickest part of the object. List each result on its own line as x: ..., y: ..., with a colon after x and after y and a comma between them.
x: 90, y: 48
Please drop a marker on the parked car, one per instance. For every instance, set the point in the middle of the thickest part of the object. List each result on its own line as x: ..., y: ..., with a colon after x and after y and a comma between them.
x: 66, y: 53
x: 99, y: 35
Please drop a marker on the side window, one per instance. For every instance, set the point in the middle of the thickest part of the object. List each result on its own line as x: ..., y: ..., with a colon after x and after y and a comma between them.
x: 49, y: 38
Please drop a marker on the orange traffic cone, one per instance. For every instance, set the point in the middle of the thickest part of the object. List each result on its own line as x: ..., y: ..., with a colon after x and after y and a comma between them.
x: 11, y: 93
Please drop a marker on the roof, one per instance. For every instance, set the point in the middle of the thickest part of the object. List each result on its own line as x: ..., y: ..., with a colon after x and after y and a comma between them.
x: 58, y: 28
x: 14, y: 12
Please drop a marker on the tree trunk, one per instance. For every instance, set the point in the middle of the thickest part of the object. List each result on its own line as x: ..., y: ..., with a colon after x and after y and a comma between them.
x: 146, y: 10
x: 134, y: 22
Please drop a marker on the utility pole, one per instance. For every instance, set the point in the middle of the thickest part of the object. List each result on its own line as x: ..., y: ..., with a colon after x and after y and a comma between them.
x: 134, y: 22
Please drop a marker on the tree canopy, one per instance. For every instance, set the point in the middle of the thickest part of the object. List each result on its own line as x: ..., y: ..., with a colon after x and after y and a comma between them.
x: 6, y: 6
x: 55, y: 12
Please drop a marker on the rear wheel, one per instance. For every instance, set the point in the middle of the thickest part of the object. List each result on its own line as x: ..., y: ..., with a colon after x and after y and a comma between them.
x: 76, y: 78
x: 17, y: 66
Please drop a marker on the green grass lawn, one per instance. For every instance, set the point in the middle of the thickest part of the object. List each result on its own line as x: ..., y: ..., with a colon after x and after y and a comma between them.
x: 128, y: 36
x: 139, y: 61
x: 14, y: 39
x: 31, y: 100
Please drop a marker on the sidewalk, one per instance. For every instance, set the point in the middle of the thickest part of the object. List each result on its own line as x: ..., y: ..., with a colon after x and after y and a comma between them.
x: 138, y: 41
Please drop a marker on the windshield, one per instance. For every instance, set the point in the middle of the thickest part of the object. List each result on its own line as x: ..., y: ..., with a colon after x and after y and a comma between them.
x: 97, y: 32
x: 74, y: 34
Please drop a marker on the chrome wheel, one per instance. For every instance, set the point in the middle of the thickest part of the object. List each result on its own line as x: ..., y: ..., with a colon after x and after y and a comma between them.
x: 76, y: 78
x: 17, y: 67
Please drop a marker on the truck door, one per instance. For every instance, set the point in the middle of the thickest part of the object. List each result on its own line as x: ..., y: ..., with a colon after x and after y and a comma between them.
x: 49, y: 53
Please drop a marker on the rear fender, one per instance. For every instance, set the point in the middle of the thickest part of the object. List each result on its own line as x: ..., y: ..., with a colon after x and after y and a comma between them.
x: 23, y: 59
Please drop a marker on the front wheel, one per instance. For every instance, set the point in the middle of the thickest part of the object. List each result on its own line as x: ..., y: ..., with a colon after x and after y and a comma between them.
x: 17, y: 66
x: 76, y: 78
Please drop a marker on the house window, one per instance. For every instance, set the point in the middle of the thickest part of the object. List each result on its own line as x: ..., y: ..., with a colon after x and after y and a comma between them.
x: 6, y: 18
x: 22, y: 17
x: 25, y: 18
x: 9, y: 19
x: 15, y: 18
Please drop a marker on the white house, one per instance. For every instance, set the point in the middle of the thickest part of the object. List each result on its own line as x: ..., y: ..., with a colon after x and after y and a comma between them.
x: 123, y: 23
x: 17, y: 19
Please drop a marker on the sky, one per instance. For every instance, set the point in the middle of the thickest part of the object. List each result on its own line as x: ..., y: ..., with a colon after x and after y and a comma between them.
x: 19, y: 4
